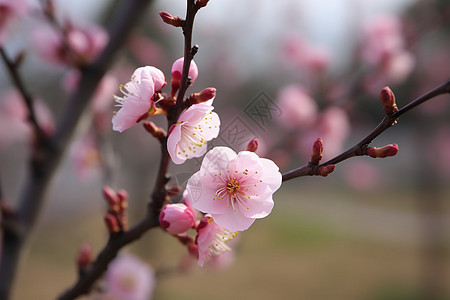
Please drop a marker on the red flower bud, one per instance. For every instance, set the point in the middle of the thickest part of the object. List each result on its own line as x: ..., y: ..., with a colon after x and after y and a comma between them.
x: 326, y: 170
x: 201, y: 3
x: 84, y: 258
x: 110, y: 196
x: 317, y: 151
x: 203, y: 96
x: 252, y: 145
x: 387, y: 98
x: 111, y: 223
x: 388, y: 150
x: 154, y: 130
x: 171, y: 20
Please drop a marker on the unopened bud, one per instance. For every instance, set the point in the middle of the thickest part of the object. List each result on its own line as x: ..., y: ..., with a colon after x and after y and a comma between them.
x: 201, y: 3
x: 317, y: 151
x: 84, y: 258
x: 176, y: 218
x: 110, y: 196
x: 387, y: 98
x: 203, y: 96
x: 111, y: 223
x: 252, y: 145
x: 382, y: 152
x: 123, y: 199
x: 177, y: 70
x: 326, y: 170
x: 171, y: 20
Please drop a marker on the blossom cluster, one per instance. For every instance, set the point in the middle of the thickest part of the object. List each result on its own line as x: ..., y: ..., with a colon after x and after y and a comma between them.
x: 232, y: 190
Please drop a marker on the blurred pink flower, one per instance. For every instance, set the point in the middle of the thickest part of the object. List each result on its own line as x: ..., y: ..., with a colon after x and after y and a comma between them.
x: 234, y: 188
x: 128, y: 278
x: 78, y: 47
x: 10, y: 10
x: 333, y: 126
x: 137, y: 102
x: 304, y: 56
x: 298, y: 109
x: 383, y: 47
x: 211, y: 239
x: 361, y: 175
x: 176, y: 218
x: 189, y: 136
x: 101, y: 100
x: 14, y: 117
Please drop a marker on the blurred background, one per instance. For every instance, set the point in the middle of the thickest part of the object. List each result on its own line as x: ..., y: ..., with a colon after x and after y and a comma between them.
x: 286, y: 73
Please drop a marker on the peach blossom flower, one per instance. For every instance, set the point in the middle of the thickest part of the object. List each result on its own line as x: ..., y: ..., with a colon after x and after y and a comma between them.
x: 177, y: 70
x: 297, y: 107
x: 10, y: 10
x: 128, y: 278
x: 137, y: 102
x: 211, y: 239
x: 234, y: 188
x: 189, y: 136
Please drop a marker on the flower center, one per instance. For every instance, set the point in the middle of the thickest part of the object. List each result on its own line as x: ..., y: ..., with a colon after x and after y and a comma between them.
x: 233, y: 186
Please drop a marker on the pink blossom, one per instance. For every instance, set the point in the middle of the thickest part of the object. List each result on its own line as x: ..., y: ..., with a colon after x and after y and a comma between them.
x: 176, y: 218
x: 128, y: 278
x: 189, y: 136
x: 10, y: 10
x: 137, y: 102
x: 177, y: 70
x: 304, y: 56
x: 383, y: 48
x: 234, y: 188
x: 211, y: 239
x: 78, y: 47
x: 298, y: 108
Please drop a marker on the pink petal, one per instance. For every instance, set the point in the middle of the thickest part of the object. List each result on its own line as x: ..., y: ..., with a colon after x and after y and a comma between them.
x: 172, y: 145
x: 216, y: 160
x: 195, y: 113
x: 131, y: 110
x: 259, y: 207
x: 158, y: 78
x: 233, y: 221
x: 210, y: 126
x: 202, y: 195
x: 271, y: 174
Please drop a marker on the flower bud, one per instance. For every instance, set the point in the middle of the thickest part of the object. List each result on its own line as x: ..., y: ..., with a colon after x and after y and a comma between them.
x: 387, y: 98
x: 252, y: 145
x: 205, y: 95
x: 176, y: 218
x: 110, y: 196
x: 388, y: 150
x: 177, y: 70
x: 326, y: 170
x: 171, y: 20
x: 201, y: 3
x: 84, y: 258
x: 111, y: 223
x: 317, y: 151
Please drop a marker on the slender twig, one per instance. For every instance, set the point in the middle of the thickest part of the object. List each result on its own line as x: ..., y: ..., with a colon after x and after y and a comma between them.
x: 358, y: 149
x: 159, y: 195
x: 26, y: 96
x: 38, y: 181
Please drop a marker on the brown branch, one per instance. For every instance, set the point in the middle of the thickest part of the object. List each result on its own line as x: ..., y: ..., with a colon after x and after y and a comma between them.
x: 38, y: 181
x: 360, y: 148
x: 159, y: 195
x: 26, y: 96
